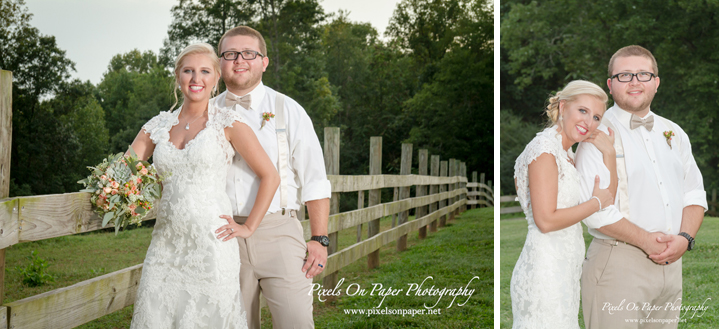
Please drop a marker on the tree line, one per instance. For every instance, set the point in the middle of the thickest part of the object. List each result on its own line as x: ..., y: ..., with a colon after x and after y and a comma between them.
x: 430, y: 83
x: 547, y: 44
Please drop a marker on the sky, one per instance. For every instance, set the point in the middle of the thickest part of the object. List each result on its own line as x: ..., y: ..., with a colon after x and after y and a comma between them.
x: 93, y: 31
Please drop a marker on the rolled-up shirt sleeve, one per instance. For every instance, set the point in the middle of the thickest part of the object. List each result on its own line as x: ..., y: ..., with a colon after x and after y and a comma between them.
x: 307, y: 159
x: 694, y: 193
x: 589, y: 164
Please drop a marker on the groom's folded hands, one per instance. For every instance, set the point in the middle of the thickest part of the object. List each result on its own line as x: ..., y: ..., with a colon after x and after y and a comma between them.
x: 676, y: 246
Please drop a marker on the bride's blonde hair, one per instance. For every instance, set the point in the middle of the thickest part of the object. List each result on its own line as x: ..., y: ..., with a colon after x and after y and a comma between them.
x: 570, y: 93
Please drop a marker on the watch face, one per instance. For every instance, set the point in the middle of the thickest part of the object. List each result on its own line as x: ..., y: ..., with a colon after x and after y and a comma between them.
x: 325, y: 241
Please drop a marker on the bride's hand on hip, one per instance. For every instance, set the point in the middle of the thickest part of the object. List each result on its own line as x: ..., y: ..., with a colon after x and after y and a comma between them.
x: 232, y: 230
x: 605, y: 197
x: 604, y: 142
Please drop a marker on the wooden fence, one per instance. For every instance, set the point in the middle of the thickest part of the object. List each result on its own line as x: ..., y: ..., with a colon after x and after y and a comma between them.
x: 442, y: 191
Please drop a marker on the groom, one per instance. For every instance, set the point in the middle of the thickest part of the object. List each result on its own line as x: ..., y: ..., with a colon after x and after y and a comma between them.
x: 275, y: 259
x: 633, y: 268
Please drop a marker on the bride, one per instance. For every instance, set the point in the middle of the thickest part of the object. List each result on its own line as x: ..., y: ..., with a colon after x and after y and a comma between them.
x: 545, y: 280
x: 190, y: 277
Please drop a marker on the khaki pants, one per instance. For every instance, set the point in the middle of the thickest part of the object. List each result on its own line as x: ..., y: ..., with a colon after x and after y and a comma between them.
x: 272, y: 260
x: 623, y: 288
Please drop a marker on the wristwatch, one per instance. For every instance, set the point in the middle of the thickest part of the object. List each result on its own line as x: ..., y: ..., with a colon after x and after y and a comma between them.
x: 322, y: 239
x: 691, y: 240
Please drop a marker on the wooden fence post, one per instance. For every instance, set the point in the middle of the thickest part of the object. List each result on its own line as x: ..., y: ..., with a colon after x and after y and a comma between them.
x: 443, y: 188
x: 481, y: 181
x: 434, y: 189
x: 474, y: 189
x: 463, y: 173
x: 421, y: 190
x: 458, y: 185
x: 405, y: 169
x: 375, y: 168
x: 5, y: 148
x: 360, y: 205
x: 332, y: 165
x: 452, y: 173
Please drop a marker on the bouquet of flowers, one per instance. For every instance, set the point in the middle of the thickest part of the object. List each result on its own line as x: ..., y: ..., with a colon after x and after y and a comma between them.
x: 123, y: 189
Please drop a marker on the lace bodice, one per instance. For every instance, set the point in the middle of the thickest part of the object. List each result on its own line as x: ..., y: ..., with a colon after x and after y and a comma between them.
x: 190, y: 279
x: 545, y: 280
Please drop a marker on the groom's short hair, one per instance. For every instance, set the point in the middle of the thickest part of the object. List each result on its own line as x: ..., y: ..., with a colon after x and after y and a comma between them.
x: 244, y: 30
x: 633, y: 50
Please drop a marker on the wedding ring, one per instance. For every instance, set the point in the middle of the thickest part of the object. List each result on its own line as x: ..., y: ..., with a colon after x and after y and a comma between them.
x: 232, y: 230
x: 320, y: 265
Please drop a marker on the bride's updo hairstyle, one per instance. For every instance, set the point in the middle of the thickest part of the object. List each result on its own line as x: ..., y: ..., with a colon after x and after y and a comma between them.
x: 198, y: 48
x: 570, y: 93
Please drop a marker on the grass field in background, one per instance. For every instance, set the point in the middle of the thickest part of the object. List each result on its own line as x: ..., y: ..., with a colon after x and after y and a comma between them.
x: 700, y: 272
x: 452, y: 256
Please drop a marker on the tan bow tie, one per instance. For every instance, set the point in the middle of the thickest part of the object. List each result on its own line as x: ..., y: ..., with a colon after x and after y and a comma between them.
x: 638, y: 122
x: 244, y: 101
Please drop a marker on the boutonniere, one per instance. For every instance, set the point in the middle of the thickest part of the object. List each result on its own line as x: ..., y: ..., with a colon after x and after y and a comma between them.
x: 266, y: 117
x: 668, y: 135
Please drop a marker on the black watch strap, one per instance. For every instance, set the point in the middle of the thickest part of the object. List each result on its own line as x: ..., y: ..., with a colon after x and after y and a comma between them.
x: 322, y: 239
x: 691, y: 240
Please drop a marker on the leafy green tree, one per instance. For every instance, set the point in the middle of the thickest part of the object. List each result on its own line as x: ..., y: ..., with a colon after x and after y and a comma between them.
x: 451, y: 43
x: 42, y: 141
x: 203, y: 21
x: 541, y: 53
x: 135, y: 89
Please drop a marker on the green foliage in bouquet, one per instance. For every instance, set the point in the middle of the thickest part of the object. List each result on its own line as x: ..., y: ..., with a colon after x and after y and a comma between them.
x: 34, y: 274
x: 123, y: 189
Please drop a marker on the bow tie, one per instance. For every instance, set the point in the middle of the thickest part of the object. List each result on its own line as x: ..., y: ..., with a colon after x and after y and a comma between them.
x: 636, y: 122
x: 243, y: 101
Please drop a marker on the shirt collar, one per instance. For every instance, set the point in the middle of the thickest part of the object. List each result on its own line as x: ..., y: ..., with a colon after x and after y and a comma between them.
x: 625, y: 117
x: 257, y: 95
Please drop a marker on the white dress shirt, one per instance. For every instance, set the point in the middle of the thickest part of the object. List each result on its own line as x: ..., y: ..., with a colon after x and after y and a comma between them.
x: 662, y: 180
x: 306, y: 175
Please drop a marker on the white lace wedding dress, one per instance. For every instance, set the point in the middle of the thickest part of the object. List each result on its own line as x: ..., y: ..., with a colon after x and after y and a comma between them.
x: 545, y: 280
x: 190, y: 279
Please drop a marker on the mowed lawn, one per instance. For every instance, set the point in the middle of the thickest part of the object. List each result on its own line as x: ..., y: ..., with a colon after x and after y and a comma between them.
x: 452, y: 256
x: 700, y: 272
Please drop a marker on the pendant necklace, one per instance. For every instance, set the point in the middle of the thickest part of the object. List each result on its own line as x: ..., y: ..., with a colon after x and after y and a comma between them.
x: 187, y: 126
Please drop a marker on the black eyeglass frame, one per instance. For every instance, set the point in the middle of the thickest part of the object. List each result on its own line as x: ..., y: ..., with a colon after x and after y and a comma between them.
x: 651, y: 76
x: 241, y: 54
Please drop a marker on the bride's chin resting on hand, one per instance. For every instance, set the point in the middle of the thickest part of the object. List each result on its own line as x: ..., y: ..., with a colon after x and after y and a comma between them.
x: 543, y: 191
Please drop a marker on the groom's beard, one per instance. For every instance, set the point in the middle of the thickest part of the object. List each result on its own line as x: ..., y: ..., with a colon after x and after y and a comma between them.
x: 235, y: 83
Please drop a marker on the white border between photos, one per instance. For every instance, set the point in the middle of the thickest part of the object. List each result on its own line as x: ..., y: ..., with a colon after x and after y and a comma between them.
x: 496, y: 165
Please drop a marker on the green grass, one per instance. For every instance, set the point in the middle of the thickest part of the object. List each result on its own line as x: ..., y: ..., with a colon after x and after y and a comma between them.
x: 453, y: 255
x: 700, y: 272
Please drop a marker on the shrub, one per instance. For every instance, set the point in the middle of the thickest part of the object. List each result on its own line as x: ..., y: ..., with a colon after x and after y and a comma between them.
x: 35, y: 273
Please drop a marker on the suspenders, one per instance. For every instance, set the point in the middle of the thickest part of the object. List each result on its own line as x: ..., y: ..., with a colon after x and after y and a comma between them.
x: 282, y: 147
x: 622, y: 188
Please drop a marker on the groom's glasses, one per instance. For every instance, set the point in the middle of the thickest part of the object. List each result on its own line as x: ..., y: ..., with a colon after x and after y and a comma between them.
x: 246, y: 55
x: 627, y: 77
